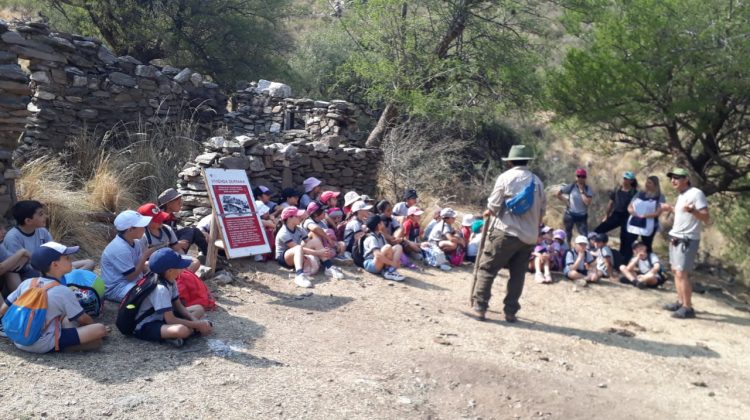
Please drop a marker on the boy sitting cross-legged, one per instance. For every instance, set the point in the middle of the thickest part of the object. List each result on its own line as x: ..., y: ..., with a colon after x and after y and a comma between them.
x: 379, y: 256
x: 124, y: 259
x: 53, y: 261
x: 31, y: 232
x: 170, y: 320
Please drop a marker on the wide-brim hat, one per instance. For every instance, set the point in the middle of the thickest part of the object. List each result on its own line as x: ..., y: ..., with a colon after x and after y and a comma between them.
x: 520, y: 152
x: 168, y: 195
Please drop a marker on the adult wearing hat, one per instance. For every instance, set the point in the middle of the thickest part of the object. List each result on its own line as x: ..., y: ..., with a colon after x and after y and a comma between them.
x: 170, y: 201
x: 617, y: 214
x: 312, y: 191
x: 578, y: 197
x: 512, y: 232
x: 690, y: 213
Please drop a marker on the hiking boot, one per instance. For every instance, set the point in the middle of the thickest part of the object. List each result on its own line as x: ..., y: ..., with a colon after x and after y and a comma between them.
x: 393, y: 275
x: 511, y: 318
x: 175, y: 342
x: 301, y: 280
x: 334, y: 272
x: 479, y: 313
x: 684, y: 313
x: 672, y: 306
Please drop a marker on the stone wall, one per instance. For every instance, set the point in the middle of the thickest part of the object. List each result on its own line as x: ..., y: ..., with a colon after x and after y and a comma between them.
x: 277, y: 158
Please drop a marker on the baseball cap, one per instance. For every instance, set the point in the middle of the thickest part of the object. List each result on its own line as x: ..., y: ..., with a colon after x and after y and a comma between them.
x: 360, y: 205
x: 335, y: 212
x: 373, y: 221
x: 261, y: 190
x: 350, y: 198
x: 166, y: 258
x: 366, y: 198
x: 150, y: 209
x: 291, y: 211
x: 591, y: 235
x: 601, y: 237
x: 410, y: 194
x: 168, y: 195
x: 447, y: 212
x: 414, y: 211
x: 680, y: 172
x: 581, y: 172
x: 327, y: 195
x: 313, y: 207
x: 580, y: 239
x: 48, y: 253
x: 629, y: 175
x: 289, y: 192
x: 476, y: 227
x: 311, y: 183
x: 467, y: 220
x: 129, y: 218
x: 546, y: 229
x: 559, y: 234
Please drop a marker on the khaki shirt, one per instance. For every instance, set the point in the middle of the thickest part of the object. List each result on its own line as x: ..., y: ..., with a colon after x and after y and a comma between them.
x: 511, y: 182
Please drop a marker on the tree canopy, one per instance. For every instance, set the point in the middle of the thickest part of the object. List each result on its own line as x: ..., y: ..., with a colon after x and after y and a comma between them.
x: 666, y: 76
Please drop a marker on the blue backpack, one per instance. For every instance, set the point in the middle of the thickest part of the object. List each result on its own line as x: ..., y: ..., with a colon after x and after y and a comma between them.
x: 523, y: 201
x: 26, y: 319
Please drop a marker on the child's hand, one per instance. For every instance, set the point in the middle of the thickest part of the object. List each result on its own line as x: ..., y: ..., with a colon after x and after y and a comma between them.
x: 204, y: 327
x: 184, y: 244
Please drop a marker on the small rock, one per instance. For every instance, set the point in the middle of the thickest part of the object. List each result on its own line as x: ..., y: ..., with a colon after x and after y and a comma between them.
x: 602, y: 385
x: 711, y: 394
x: 404, y: 400
x: 223, y: 277
x: 472, y: 404
x: 700, y: 384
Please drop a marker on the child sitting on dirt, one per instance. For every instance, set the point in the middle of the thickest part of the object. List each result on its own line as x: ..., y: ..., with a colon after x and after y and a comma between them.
x: 401, y: 209
x: 263, y: 194
x: 433, y: 222
x: 294, y: 252
x: 579, y: 263
x: 329, y: 199
x: 158, y: 235
x: 170, y: 321
x: 378, y: 255
x: 353, y: 230
x: 410, y: 233
x: 53, y: 261
x: 541, y: 257
x: 317, y: 228
x: 30, y: 233
x: 385, y: 210
x: 604, y: 255
x: 10, y: 266
x: 444, y: 235
x: 171, y: 202
x: 558, y: 250
x: 472, y: 248
x: 124, y: 260
x: 289, y: 198
x: 643, y: 270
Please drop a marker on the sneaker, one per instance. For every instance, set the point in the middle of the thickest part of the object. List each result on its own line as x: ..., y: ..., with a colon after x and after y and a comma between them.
x: 258, y: 258
x: 334, y: 272
x: 301, y: 280
x: 393, y: 275
x: 547, y: 278
x: 539, y: 278
x: 175, y: 342
x: 625, y: 280
x: 342, y: 257
x: 684, y: 313
x: 672, y: 306
x: 446, y: 267
x: 641, y: 284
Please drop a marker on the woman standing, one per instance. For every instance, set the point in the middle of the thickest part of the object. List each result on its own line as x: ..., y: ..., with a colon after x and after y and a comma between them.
x: 617, y: 213
x: 645, y: 210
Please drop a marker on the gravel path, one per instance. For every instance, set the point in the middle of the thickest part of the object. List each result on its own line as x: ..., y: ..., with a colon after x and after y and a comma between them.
x: 368, y: 348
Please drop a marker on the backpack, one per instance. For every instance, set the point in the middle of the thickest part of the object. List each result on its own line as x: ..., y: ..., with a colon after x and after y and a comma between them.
x: 193, y: 291
x: 131, y: 303
x: 523, y: 201
x: 358, y: 250
x: 150, y: 238
x: 26, y: 319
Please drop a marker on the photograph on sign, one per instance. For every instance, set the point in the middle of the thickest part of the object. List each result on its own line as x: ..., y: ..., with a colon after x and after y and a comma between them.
x: 233, y: 202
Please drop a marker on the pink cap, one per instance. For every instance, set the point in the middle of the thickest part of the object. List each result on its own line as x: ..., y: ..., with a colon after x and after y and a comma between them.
x: 291, y: 211
x: 327, y: 195
x: 313, y: 207
x: 580, y: 172
x: 414, y: 211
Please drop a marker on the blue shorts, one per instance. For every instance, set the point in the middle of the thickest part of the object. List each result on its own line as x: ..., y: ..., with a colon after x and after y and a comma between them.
x: 282, y: 262
x: 369, y: 266
x: 68, y: 338
x: 150, y: 331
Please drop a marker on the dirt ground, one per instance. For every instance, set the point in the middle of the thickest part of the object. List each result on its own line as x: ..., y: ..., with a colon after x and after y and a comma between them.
x: 364, y: 347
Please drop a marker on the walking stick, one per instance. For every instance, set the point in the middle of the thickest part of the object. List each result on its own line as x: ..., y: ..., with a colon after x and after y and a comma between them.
x: 485, y: 229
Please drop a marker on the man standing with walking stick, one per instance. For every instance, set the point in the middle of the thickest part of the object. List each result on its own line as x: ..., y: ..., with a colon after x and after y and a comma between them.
x: 515, y: 208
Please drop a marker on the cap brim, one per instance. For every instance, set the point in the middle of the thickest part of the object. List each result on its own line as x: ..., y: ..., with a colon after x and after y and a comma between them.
x: 143, y: 221
x: 417, y: 213
x: 185, y: 262
x: 71, y: 250
x: 300, y: 213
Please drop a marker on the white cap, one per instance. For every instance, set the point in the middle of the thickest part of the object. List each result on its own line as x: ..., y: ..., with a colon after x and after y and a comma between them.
x: 447, y: 212
x: 468, y: 219
x: 580, y: 239
x: 350, y: 198
x: 360, y: 205
x: 129, y: 219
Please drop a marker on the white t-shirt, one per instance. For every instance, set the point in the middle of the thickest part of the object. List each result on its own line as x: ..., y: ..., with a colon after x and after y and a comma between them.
x: 160, y: 299
x: 601, y: 255
x: 439, y: 231
x: 372, y: 242
x: 400, y: 209
x: 644, y: 266
x: 119, y: 259
x: 686, y: 225
x: 16, y: 240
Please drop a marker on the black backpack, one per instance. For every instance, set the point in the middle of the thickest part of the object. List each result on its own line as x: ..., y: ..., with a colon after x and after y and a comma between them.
x: 358, y: 251
x: 131, y: 303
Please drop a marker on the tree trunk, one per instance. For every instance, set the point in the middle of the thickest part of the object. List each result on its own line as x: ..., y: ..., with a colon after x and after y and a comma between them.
x: 385, y: 122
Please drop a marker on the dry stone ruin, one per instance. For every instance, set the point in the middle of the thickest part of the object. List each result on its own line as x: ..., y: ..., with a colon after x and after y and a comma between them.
x: 55, y: 86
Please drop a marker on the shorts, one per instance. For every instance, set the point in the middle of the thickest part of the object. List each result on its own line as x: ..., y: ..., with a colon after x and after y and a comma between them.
x: 682, y: 255
x: 68, y: 338
x: 117, y: 294
x: 282, y: 262
x: 569, y: 268
x: 150, y: 331
x: 369, y: 266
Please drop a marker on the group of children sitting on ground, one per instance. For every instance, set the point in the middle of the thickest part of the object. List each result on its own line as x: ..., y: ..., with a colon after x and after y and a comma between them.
x: 590, y: 259
x: 146, y: 268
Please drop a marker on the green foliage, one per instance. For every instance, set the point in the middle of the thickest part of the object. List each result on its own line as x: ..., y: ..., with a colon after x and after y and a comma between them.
x: 734, y: 222
x: 668, y: 76
x: 227, y: 39
x: 442, y: 59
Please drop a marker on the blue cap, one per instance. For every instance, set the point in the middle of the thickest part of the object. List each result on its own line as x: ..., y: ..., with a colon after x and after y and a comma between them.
x: 48, y: 253
x: 165, y: 259
x: 629, y: 175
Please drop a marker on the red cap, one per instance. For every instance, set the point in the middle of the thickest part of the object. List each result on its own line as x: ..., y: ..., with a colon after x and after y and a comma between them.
x: 327, y: 195
x: 152, y: 210
x: 580, y: 172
